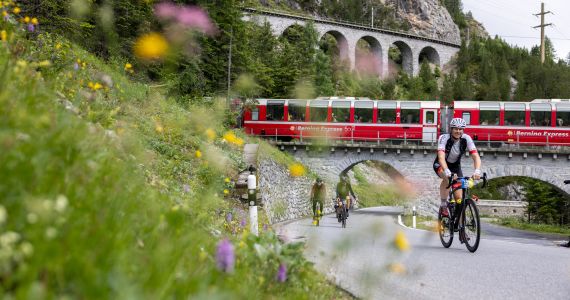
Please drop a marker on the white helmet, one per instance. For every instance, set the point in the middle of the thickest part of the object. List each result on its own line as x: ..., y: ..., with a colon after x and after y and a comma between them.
x: 458, y: 123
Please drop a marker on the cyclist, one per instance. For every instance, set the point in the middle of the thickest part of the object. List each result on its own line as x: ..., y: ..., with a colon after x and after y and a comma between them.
x: 318, y: 194
x: 451, y: 147
x: 344, y: 189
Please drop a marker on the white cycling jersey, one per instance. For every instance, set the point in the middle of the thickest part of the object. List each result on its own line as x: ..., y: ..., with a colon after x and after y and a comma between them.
x: 455, y: 152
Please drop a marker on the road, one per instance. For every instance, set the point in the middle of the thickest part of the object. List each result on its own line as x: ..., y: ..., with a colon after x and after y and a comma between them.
x: 363, y: 260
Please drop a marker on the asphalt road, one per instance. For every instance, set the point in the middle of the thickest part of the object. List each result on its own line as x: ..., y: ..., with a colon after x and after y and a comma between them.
x: 363, y: 260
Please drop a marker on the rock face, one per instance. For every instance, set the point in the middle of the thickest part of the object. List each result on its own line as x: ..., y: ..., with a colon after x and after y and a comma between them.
x: 513, y: 192
x: 428, y: 18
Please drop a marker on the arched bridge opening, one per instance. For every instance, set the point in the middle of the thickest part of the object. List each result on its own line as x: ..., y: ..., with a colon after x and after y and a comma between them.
x: 401, y: 57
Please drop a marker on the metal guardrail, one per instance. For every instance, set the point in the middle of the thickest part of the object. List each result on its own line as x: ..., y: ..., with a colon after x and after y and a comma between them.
x: 350, y: 24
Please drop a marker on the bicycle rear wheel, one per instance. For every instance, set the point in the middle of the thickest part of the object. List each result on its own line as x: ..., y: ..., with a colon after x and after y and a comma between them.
x: 472, y: 228
x: 343, y: 218
x: 445, y: 229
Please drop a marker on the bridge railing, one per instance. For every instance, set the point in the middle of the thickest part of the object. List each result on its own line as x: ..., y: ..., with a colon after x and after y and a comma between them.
x: 425, y: 140
x: 277, y: 12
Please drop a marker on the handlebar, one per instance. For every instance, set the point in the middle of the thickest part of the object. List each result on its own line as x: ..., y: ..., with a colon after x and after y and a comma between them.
x: 566, y: 181
x: 484, y: 178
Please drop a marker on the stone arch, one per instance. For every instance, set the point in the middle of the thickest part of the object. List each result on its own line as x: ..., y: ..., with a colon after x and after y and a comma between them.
x: 341, y: 41
x: 407, y: 56
x: 369, y: 63
x: 430, y: 54
x: 286, y: 30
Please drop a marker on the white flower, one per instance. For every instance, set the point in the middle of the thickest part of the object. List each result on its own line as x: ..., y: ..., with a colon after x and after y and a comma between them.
x: 9, y: 238
x: 51, y: 233
x: 3, y: 215
x: 32, y: 218
x: 60, y: 203
x: 27, y: 249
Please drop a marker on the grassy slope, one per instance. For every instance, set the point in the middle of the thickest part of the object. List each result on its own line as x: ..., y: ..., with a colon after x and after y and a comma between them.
x: 107, y: 198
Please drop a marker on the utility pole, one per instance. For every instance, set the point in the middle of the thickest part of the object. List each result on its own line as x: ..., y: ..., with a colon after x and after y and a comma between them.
x: 372, y: 16
x: 542, y: 25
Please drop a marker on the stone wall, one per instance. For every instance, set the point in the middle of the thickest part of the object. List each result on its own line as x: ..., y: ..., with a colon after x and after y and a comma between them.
x: 495, y: 208
x: 285, y: 197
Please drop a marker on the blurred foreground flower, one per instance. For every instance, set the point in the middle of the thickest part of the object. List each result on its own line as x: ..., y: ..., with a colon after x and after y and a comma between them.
x: 3, y: 35
x: 198, y: 153
x: 297, y: 170
x: 225, y: 257
x: 230, y: 137
x: 397, y: 268
x: 401, y: 242
x: 282, y: 273
x: 191, y: 17
x: 151, y: 46
x: 129, y: 68
x: 211, y: 134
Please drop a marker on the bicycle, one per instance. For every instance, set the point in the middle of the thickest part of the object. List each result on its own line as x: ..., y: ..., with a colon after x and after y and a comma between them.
x: 463, y: 215
x: 341, y: 212
x: 317, y: 217
x: 566, y: 181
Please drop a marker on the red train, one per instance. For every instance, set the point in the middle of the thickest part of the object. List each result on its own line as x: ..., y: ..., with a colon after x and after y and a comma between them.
x: 540, y: 122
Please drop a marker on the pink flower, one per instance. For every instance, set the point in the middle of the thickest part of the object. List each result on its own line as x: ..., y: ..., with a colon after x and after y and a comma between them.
x: 282, y: 273
x: 225, y: 256
x: 166, y: 10
x: 190, y: 17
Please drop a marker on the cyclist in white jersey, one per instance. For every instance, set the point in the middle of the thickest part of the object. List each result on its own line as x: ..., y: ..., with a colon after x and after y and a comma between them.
x: 451, y: 147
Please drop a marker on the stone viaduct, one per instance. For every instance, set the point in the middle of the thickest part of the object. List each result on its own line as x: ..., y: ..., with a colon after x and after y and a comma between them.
x: 412, y: 47
x: 414, y: 162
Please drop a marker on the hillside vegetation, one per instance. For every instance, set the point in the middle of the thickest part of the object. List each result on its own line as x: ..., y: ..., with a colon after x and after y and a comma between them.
x: 113, y: 189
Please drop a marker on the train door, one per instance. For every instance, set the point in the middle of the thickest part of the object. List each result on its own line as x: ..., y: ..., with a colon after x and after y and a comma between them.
x: 429, y: 133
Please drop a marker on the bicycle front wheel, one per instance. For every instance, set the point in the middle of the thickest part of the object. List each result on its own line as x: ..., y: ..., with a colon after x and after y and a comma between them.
x: 445, y: 230
x: 472, y: 228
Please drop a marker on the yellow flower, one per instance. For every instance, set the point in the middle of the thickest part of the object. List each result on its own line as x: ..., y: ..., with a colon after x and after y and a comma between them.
x: 44, y: 63
x: 26, y: 19
x: 242, y: 244
x: 297, y: 170
x: 158, y: 128
x: 198, y: 154
x: 227, y: 180
x: 3, y: 35
x: 35, y: 21
x: 230, y: 137
x: 397, y: 268
x: 128, y: 66
x: 17, y: 10
x: 401, y: 242
x: 94, y: 86
x: 4, y: 13
x: 58, y: 46
x: 226, y: 192
x: 211, y: 134
x: 151, y: 46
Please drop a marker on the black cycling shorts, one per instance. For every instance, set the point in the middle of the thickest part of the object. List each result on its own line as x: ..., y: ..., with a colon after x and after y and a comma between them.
x: 455, y: 168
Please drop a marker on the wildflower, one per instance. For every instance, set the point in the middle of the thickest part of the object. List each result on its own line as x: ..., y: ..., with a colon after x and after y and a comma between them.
x: 26, y: 19
x: 158, y: 128
x: 27, y: 249
x: 243, y: 222
x: 94, y: 86
x: 198, y: 153
x: 51, y: 233
x: 151, y: 46
x: 397, y: 268
x: 61, y: 203
x: 5, y: 15
x: 211, y: 134
x: 34, y: 21
x: 44, y: 63
x: 129, y: 68
x: 225, y: 257
x: 76, y: 66
x: 282, y: 273
x: 229, y: 217
x: 3, y: 35
x: 226, y: 191
x: 58, y: 46
x: 186, y: 188
x: 17, y: 10
x: 191, y: 17
x: 203, y: 255
x: 401, y: 242
x: 297, y: 170
x: 230, y: 137
x: 31, y: 27
x: 265, y: 227
x: 3, y: 214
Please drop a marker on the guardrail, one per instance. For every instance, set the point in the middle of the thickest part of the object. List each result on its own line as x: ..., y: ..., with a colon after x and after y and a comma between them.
x: 350, y: 24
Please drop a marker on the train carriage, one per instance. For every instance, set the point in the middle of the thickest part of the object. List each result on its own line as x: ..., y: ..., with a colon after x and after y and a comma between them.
x: 539, y: 122
x: 345, y: 119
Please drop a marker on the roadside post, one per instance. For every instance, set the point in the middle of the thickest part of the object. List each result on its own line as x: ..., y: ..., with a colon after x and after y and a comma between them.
x: 252, y: 199
x: 414, y: 217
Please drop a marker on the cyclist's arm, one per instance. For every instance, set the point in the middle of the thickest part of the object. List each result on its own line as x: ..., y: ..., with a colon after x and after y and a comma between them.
x: 476, y: 163
x: 441, y: 159
x: 442, y: 141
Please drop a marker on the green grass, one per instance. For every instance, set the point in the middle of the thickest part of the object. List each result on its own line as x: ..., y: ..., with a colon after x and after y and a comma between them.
x: 518, y: 223
x: 370, y: 194
x: 422, y: 222
x: 105, y: 196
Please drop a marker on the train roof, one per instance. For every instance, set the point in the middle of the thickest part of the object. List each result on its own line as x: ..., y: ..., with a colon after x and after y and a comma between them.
x: 423, y: 103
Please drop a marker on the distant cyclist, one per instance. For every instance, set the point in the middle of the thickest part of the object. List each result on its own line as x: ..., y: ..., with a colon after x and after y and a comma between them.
x: 318, y: 194
x: 344, y: 189
x: 451, y: 147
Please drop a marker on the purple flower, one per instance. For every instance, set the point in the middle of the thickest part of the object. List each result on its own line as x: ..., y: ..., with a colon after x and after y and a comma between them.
x: 186, y: 188
x: 76, y: 66
x: 229, y: 217
x: 166, y: 10
x: 225, y: 257
x: 196, y: 18
x: 243, y: 222
x: 265, y: 227
x: 31, y: 27
x: 282, y: 273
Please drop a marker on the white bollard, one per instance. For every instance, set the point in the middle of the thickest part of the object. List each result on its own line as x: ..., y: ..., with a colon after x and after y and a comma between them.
x: 414, y: 217
x: 252, y: 197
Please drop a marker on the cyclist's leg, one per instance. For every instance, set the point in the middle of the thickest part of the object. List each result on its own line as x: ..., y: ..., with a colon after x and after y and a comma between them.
x: 314, y: 207
x: 443, y: 190
x: 320, y: 207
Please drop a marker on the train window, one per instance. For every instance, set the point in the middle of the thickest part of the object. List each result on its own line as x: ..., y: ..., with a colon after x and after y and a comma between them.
x: 319, y: 110
x: 387, y: 112
x: 467, y: 117
x: 297, y: 110
x: 515, y: 114
x: 489, y: 113
x: 540, y: 114
x: 562, y: 114
x: 255, y: 114
x: 340, y: 111
x: 275, y: 110
x: 363, y: 111
x: 410, y: 112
